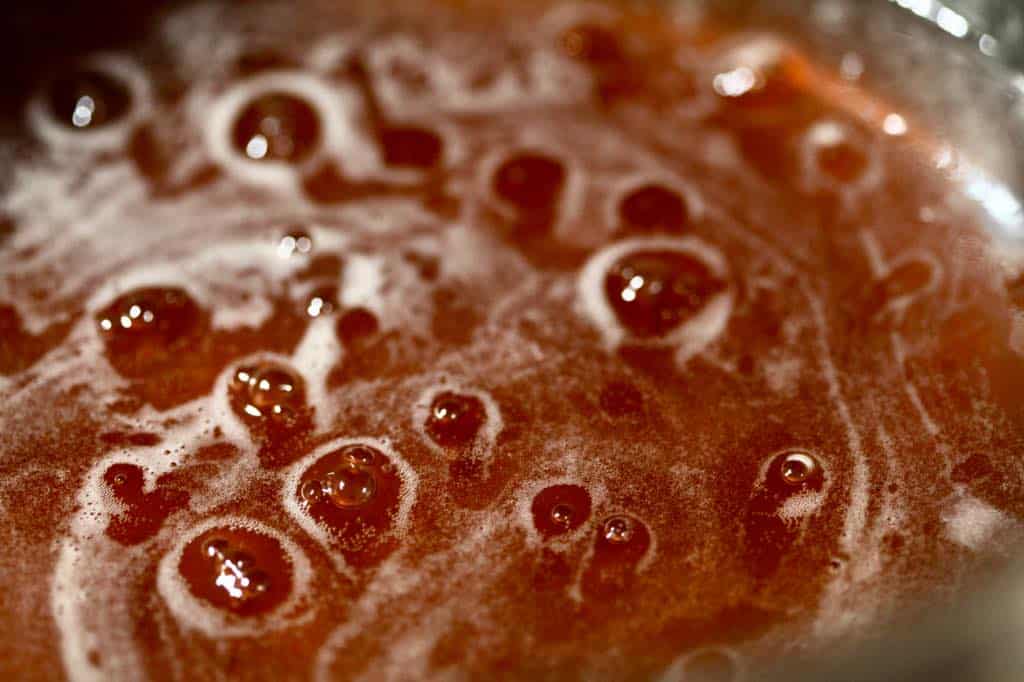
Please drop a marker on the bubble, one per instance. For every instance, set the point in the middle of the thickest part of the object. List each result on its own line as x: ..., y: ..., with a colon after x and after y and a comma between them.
x: 592, y: 43
x: 411, y: 147
x: 267, y: 394
x: 560, y: 509
x: 797, y: 468
x: 654, y: 292
x: 237, y: 569
x: 839, y: 156
x: 146, y: 327
x: 653, y: 208
x: 562, y: 515
x: 531, y: 182
x: 294, y: 243
x: 277, y: 126
x: 761, y: 73
x: 842, y: 160
x: 455, y: 419
x: 215, y: 547
x: 618, y: 530
x: 89, y: 99
x: 358, y: 500
x: 322, y: 301
x: 351, y: 486
x: 621, y: 546
x: 311, y: 491
x: 356, y: 325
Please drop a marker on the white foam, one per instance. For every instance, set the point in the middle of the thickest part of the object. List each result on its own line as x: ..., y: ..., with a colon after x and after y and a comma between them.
x: 690, y: 337
x: 973, y: 523
x: 88, y: 564
x: 362, y: 282
x: 315, y: 355
x: 857, y: 510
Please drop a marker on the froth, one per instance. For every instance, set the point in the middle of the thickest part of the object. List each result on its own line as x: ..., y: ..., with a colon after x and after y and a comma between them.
x: 973, y: 523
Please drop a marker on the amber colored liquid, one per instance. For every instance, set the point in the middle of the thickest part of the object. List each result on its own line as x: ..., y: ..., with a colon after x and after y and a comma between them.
x: 534, y: 343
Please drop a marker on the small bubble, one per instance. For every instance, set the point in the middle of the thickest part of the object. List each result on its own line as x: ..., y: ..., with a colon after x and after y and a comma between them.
x: 455, y: 419
x: 120, y: 479
x: 360, y: 455
x: 653, y: 208
x: 89, y: 99
x: 277, y: 127
x: 215, y: 548
x: 531, y: 182
x: 561, y: 515
x: 592, y: 43
x: 267, y: 393
x: 259, y: 581
x: 558, y: 509
x: 322, y: 301
x: 797, y: 467
x: 312, y: 491
x: 618, y: 530
x: 350, y: 486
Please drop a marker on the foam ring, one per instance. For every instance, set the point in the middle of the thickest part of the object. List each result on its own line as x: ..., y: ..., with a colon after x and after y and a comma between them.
x: 689, y: 338
x: 193, y: 613
x: 692, y: 199
x: 60, y: 136
x: 338, y: 108
x: 407, y: 495
x: 483, y: 444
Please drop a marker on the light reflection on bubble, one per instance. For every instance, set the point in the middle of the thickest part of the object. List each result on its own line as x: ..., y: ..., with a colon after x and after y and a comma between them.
x: 736, y: 83
x: 895, y: 125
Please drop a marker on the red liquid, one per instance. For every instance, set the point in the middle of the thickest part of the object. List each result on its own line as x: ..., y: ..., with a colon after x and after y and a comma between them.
x: 505, y: 343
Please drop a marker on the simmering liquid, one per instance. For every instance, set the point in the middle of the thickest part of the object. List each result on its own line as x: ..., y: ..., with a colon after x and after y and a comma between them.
x: 434, y: 341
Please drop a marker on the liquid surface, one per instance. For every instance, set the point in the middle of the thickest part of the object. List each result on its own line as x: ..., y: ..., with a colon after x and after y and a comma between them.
x: 436, y: 342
